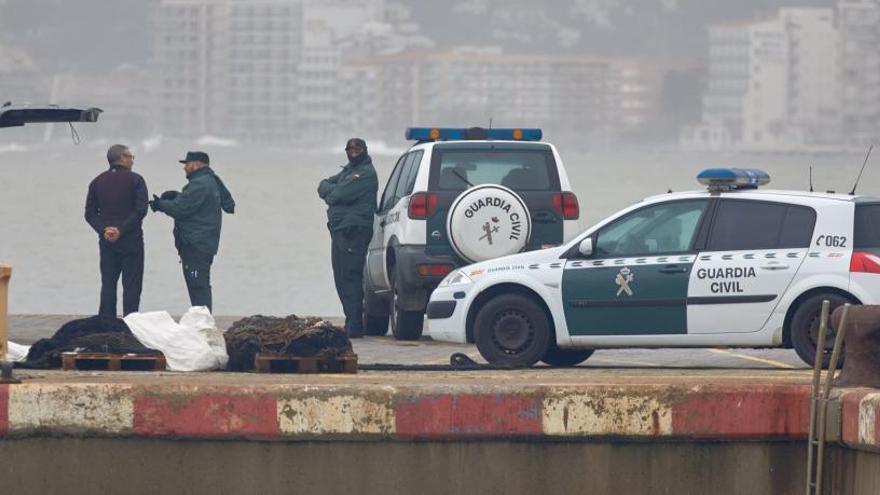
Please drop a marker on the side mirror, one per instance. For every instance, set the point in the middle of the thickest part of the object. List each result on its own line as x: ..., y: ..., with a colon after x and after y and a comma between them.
x: 586, y: 247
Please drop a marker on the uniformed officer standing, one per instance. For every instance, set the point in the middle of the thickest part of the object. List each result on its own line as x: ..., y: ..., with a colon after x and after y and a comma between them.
x: 351, y: 204
x: 115, y: 207
x: 197, y: 220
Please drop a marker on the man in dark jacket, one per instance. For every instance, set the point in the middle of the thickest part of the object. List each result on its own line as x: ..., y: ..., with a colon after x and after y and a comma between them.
x: 197, y: 219
x: 115, y: 207
x: 351, y: 204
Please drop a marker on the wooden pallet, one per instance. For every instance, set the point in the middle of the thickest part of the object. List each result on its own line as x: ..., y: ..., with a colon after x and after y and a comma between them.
x: 112, y: 362
x: 276, y: 362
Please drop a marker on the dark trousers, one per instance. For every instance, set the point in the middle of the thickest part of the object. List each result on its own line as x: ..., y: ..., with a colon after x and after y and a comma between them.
x: 348, y: 255
x: 197, y: 274
x: 126, y: 257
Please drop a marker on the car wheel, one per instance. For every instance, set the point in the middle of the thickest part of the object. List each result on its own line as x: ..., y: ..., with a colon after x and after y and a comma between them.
x: 805, y: 329
x: 405, y: 325
x: 375, y: 323
x: 566, y: 357
x: 512, y: 330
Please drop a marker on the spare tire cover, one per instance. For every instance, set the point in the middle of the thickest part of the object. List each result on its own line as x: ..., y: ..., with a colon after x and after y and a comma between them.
x: 488, y: 221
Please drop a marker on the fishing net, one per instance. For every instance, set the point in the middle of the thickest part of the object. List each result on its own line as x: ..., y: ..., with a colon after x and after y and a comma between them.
x: 302, y: 337
x: 95, y: 334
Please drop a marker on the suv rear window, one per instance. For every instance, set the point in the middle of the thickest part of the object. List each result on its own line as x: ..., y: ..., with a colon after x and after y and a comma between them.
x: 867, y: 228
x: 519, y: 169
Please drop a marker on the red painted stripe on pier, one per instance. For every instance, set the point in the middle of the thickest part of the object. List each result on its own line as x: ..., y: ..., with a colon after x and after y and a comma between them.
x: 205, y: 415
x: 746, y: 412
x: 468, y: 416
x: 4, y: 410
x: 850, y: 416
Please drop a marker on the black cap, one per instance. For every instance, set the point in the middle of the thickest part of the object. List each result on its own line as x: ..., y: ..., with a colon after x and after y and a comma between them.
x: 356, y: 142
x: 196, y: 156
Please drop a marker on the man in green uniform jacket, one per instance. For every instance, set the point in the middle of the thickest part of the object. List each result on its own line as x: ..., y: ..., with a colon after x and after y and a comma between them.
x: 351, y: 204
x: 197, y: 219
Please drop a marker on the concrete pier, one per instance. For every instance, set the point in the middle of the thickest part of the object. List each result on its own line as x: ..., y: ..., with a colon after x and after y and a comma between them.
x: 572, y: 431
x: 629, y: 421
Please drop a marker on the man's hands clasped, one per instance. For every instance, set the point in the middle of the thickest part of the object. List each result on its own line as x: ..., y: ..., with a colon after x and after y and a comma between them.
x: 111, y: 234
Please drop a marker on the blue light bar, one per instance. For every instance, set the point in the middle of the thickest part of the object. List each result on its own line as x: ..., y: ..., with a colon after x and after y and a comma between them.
x: 733, y: 178
x: 474, y: 133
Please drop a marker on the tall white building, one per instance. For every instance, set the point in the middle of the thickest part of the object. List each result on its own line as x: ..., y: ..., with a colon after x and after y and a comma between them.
x: 729, y: 53
x: 260, y: 70
x: 859, y: 24
x: 228, y: 67
x: 765, y: 104
x: 773, y: 84
x: 813, y: 77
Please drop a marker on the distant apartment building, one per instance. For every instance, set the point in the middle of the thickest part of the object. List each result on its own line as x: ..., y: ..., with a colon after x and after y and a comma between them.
x: 728, y: 83
x: 258, y: 70
x: 326, y: 23
x: 813, y: 74
x: 229, y: 67
x: 567, y: 96
x: 772, y: 84
x: 766, y: 102
x: 859, y: 24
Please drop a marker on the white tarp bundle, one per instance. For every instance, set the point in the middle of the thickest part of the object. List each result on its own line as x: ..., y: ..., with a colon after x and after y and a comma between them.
x: 17, y: 353
x: 194, y: 344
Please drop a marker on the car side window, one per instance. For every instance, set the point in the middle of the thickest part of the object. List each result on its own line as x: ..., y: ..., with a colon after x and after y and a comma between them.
x: 388, y: 199
x: 408, y: 171
x: 663, y: 228
x: 867, y: 227
x: 742, y: 225
x: 413, y: 173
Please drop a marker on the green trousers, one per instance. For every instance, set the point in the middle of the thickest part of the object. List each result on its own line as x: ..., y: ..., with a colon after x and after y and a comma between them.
x: 349, y: 253
x: 197, y: 274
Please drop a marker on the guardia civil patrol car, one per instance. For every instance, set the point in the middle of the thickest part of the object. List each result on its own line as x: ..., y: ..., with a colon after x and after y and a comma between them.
x: 460, y: 196
x: 733, y: 266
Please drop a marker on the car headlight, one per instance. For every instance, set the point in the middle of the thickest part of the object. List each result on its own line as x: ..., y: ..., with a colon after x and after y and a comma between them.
x: 457, y: 277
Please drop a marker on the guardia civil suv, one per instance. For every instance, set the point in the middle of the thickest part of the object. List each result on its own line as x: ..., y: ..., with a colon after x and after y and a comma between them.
x: 460, y: 196
x: 734, y: 266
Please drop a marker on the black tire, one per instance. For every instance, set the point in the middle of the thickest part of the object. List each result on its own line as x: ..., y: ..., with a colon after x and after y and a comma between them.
x: 805, y: 329
x: 405, y: 325
x: 566, y: 357
x: 512, y: 330
x: 375, y: 312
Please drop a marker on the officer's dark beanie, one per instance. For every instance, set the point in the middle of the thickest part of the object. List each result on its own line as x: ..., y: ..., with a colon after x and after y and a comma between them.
x: 360, y: 143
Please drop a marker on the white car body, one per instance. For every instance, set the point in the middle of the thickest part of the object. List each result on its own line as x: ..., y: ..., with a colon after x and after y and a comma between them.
x: 712, y: 319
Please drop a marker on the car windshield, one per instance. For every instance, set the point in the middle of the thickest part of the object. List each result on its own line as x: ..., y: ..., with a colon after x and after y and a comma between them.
x: 521, y: 170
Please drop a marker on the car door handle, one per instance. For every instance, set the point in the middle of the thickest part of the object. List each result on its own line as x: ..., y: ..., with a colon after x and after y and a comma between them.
x: 543, y: 217
x: 774, y: 267
x: 672, y: 269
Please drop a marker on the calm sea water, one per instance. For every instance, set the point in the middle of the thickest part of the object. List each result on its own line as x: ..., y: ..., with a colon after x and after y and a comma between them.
x: 274, y: 253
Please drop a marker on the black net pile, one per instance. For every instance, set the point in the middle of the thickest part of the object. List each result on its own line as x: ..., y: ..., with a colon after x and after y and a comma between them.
x: 302, y: 337
x: 95, y: 334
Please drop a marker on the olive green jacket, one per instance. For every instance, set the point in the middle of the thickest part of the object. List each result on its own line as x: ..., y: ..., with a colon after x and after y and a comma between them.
x: 351, y: 195
x: 197, y: 211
